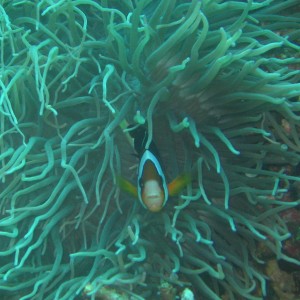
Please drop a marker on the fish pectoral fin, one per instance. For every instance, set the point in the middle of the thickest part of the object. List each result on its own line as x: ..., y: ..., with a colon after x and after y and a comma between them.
x: 127, y: 186
x: 176, y: 185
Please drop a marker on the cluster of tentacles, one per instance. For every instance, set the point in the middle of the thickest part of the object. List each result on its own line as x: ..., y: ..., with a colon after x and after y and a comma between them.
x: 216, y: 83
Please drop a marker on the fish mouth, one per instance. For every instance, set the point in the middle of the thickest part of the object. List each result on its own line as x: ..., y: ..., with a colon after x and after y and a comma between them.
x: 154, y: 202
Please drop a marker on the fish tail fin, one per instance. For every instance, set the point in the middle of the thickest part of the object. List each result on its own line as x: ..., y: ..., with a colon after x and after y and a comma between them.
x: 127, y: 186
x: 177, y: 184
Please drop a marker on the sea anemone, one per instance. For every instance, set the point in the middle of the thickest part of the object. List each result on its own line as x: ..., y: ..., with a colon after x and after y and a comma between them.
x: 216, y: 83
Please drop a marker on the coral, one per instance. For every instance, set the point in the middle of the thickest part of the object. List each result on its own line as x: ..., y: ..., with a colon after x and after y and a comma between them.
x: 216, y: 83
x: 282, y: 283
x: 187, y: 294
x: 105, y: 293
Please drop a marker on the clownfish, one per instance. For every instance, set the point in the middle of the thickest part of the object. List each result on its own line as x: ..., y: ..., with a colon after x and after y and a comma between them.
x: 152, y: 189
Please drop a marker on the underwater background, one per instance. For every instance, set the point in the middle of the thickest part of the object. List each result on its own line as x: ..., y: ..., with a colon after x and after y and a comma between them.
x: 217, y: 85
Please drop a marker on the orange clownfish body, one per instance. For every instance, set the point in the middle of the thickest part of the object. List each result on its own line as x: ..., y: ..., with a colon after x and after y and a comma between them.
x: 152, y: 189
